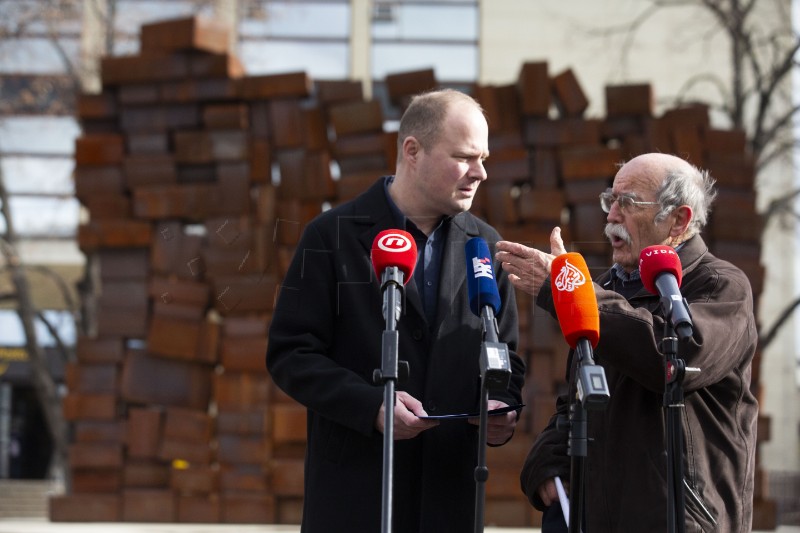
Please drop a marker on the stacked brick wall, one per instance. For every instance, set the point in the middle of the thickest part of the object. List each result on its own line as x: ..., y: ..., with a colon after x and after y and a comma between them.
x: 198, y: 180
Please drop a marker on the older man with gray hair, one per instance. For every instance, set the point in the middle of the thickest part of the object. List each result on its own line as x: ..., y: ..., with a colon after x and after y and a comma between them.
x: 656, y: 199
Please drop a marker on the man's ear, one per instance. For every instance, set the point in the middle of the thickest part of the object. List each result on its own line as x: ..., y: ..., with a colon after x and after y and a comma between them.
x: 681, y: 217
x: 411, y: 148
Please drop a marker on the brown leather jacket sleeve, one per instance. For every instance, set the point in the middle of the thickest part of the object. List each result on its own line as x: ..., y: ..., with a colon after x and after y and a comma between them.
x: 547, y: 457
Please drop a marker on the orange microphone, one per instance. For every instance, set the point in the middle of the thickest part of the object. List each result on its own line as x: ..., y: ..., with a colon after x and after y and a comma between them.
x: 579, y: 318
x: 574, y: 298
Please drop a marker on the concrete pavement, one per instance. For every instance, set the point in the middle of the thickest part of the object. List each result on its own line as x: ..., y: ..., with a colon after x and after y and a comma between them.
x: 40, y: 525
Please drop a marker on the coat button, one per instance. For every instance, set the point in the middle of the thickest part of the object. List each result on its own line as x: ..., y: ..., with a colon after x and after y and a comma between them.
x: 417, y: 335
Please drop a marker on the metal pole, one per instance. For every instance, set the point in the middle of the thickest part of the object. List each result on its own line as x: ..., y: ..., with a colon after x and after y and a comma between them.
x: 5, y: 429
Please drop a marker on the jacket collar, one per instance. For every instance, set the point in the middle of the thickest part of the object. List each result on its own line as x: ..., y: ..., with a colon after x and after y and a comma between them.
x: 690, y: 255
x: 372, y: 211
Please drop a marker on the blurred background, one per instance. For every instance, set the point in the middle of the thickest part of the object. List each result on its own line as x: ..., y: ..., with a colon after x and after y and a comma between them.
x: 158, y: 159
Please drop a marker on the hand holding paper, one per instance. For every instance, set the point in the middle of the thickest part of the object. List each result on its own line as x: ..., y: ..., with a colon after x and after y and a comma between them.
x: 563, y: 499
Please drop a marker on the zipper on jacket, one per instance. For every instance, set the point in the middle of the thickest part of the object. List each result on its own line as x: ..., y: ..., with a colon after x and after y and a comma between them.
x: 699, y: 502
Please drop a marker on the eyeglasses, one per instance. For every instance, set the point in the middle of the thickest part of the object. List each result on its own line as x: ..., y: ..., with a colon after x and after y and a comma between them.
x: 625, y: 201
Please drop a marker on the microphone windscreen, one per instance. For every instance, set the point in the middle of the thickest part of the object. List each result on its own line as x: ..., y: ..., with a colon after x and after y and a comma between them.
x: 574, y: 298
x: 481, y: 284
x: 394, y: 248
x: 657, y: 260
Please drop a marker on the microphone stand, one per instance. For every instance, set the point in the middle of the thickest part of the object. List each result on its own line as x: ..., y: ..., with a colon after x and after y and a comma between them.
x: 592, y: 393
x: 675, y: 371
x: 392, y: 287
x: 495, y: 367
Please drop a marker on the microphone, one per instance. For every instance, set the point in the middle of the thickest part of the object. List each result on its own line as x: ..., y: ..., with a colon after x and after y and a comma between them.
x: 481, y: 285
x: 661, y: 272
x: 574, y: 298
x: 484, y: 301
x: 394, y: 248
x: 579, y: 318
x: 393, y: 256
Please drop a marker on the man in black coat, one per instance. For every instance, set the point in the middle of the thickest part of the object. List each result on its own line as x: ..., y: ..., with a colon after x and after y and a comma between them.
x: 325, y: 336
x: 656, y: 199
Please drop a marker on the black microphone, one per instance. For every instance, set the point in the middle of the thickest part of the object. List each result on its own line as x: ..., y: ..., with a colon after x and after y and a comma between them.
x: 661, y: 272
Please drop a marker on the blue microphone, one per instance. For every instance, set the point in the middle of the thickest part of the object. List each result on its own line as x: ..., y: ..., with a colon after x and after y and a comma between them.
x: 481, y: 283
x: 484, y: 301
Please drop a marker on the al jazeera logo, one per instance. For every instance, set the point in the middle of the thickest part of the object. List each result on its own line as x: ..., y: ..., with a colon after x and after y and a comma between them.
x: 569, y: 278
x: 11, y: 355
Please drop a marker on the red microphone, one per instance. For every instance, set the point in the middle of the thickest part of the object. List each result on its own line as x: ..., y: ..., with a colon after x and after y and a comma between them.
x: 657, y: 260
x: 574, y: 298
x: 661, y: 272
x: 394, y: 248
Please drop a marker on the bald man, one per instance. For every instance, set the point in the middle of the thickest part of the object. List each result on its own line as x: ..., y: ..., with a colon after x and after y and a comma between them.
x: 325, y: 339
x: 656, y: 199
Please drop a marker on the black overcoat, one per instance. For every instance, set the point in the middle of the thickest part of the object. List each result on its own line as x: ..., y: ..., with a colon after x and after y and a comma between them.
x: 325, y: 344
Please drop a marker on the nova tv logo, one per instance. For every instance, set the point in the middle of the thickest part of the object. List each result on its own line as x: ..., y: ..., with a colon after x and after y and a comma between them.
x: 394, y: 242
x: 482, y: 267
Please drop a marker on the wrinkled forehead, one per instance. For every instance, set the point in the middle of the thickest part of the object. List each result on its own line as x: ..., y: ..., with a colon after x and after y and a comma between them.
x: 638, y: 177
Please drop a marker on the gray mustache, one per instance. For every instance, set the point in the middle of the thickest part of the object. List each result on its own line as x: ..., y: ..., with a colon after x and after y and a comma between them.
x: 617, y: 230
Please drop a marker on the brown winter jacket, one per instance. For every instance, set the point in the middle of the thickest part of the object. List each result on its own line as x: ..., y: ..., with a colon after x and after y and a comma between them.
x: 625, y: 478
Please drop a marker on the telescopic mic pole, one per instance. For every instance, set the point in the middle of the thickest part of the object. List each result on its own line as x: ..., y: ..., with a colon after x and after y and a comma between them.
x: 673, y: 402
x: 578, y: 316
x: 661, y: 272
x: 388, y: 375
x: 394, y: 255
x: 495, y: 363
x: 592, y: 394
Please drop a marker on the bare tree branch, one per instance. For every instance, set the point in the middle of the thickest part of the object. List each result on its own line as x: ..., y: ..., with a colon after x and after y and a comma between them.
x: 782, y: 205
x: 43, y: 383
x: 67, y: 354
x: 756, y: 99
x: 766, y: 338
x: 711, y: 79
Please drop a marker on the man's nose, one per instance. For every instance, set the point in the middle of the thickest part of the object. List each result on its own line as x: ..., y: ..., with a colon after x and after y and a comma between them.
x: 615, y: 213
x: 478, y: 171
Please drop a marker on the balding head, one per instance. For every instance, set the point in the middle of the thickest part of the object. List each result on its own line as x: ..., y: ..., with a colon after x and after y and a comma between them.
x: 425, y: 116
x: 676, y: 182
